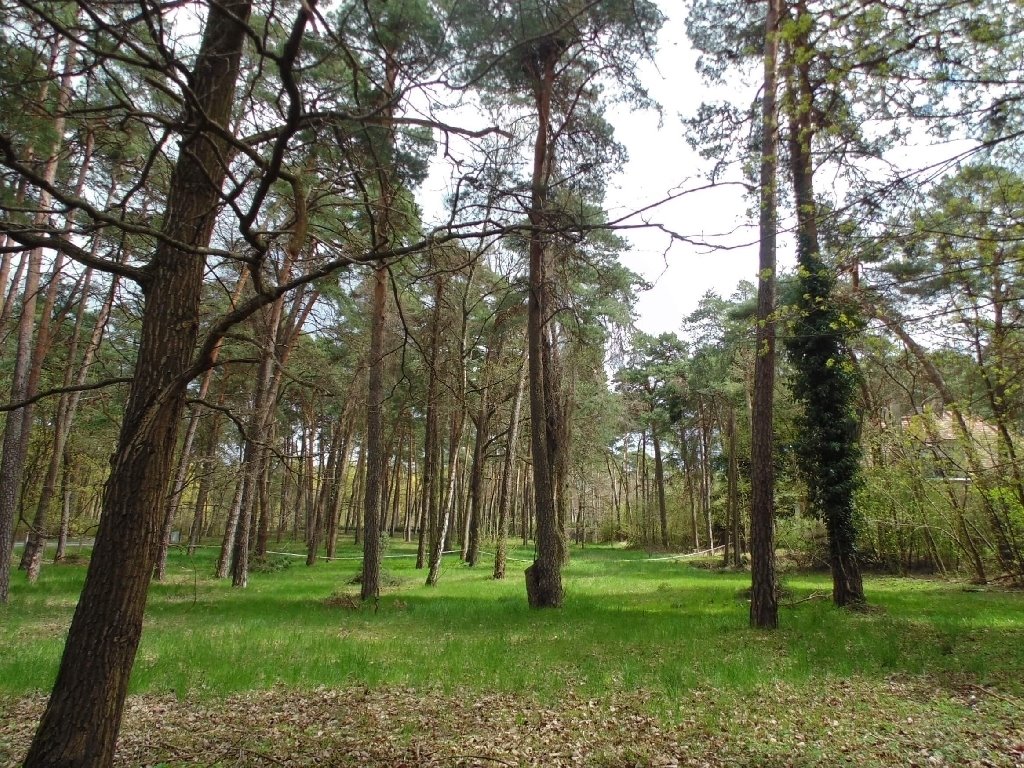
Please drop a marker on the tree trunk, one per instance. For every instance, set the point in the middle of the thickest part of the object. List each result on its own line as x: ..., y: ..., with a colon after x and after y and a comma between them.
x: 827, y: 402
x: 449, y: 501
x: 659, y: 481
x: 80, y: 724
x: 544, y: 576
x: 254, y: 452
x: 764, y: 605
x: 206, y: 464
x: 370, y: 584
x: 65, y: 511
x: 506, y: 486
x: 338, y: 486
x: 32, y: 557
x: 431, y: 441
x: 66, y: 410
x: 733, y: 490
x: 19, y: 420
x: 18, y: 424
x: 483, y: 427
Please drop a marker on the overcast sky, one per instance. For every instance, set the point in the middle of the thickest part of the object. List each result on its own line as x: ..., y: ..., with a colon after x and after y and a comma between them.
x: 660, y: 162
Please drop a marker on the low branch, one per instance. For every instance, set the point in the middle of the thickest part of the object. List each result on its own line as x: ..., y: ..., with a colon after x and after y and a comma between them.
x: 26, y: 239
x: 63, y: 390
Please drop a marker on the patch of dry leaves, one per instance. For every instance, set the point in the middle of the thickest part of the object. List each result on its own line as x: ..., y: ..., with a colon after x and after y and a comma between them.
x: 906, y: 723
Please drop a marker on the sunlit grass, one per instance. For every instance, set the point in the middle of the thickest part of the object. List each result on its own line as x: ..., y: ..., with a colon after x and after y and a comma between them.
x: 629, y: 623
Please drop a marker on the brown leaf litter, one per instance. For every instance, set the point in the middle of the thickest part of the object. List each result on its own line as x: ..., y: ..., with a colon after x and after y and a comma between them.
x: 837, y: 723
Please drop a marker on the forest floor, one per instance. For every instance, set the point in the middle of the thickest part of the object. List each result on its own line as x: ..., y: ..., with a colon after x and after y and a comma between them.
x: 650, y: 663
x: 854, y: 723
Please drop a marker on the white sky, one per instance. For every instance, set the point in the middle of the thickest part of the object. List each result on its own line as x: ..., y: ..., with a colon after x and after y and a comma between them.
x: 661, y: 161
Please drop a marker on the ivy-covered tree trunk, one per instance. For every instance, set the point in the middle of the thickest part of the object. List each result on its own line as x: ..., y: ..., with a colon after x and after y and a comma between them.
x: 825, y: 380
x: 80, y: 724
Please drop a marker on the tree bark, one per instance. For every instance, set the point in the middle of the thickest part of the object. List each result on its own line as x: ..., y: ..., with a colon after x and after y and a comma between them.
x: 659, y: 481
x: 506, y: 486
x: 764, y: 606
x: 338, y: 485
x: 80, y: 724
x: 544, y: 576
x: 733, y: 489
x: 431, y: 441
x: 370, y: 584
x: 13, y: 459
x: 32, y: 557
x: 483, y: 428
x: 206, y: 463
x: 449, y: 501
x: 27, y: 360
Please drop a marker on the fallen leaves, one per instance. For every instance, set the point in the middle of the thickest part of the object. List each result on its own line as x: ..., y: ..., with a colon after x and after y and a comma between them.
x: 839, y: 722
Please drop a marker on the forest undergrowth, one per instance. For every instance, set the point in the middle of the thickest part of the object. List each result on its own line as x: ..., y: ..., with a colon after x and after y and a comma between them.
x: 650, y: 663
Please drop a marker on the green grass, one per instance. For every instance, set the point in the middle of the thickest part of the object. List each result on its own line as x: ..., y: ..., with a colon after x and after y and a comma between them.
x: 650, y: 662
x: 629, y: 623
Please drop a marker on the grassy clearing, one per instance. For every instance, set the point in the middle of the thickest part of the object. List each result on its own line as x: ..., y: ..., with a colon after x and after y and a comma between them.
x: 930, y: 667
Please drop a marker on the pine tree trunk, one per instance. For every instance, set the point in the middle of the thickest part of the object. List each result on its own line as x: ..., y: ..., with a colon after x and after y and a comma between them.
x: 370, y: 584
x: 206, y: 464
x: 80, y: 724
x: 32, y: 557
x: 185, y: 458
x: 733, y: 490
x: 65, y: 512
x: 506, y: 487
x: 764, y: 605
x: 431, y: 439
x: 659, y: 481
x: 544, y: 576
x: 483, y: 425
x: 338, y: 487
x: 449, y: 500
